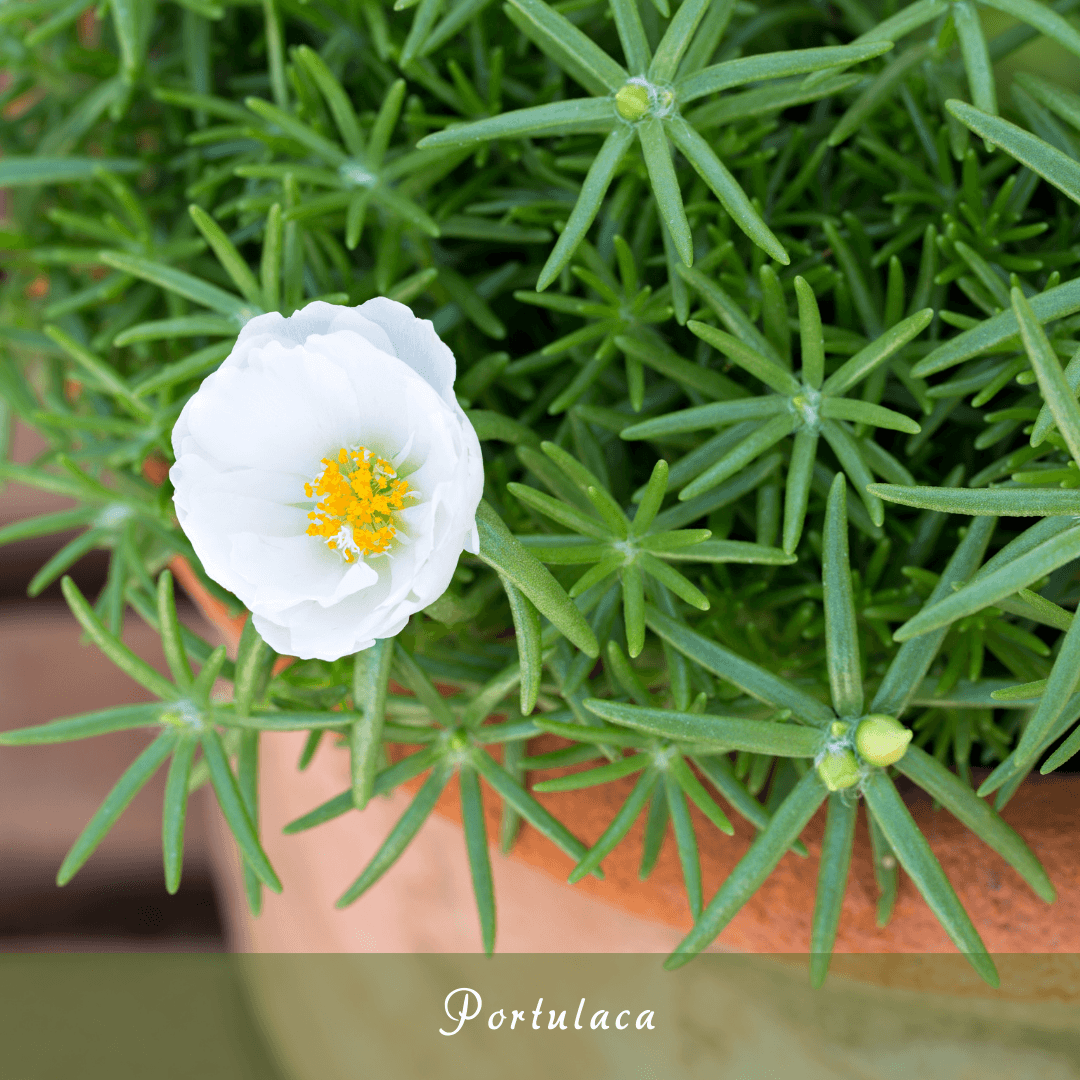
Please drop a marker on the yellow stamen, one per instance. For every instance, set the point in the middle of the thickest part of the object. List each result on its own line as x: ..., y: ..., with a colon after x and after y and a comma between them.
x: 358, y: 494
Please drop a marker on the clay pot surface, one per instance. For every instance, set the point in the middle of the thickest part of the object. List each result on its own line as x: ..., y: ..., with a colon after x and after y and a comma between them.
x: 623, y: 913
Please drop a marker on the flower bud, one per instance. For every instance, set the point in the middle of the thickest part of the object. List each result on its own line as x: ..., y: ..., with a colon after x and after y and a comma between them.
x: 632, y: 101
x: 882, y: 740
x: 838, y: 769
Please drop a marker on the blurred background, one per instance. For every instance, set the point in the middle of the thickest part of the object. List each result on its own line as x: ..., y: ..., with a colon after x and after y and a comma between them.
x: 117, y: 901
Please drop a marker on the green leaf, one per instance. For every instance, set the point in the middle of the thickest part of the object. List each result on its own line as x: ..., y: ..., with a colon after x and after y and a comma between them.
x: 371, y: 673
x: 472, y: 817
x: 527, y: 636
x: 878, y: 90
x: 253, y: 657
x: 593, y: 190
x: 836, y: 848
x: 754, y: 867
x: 184, y: 326
x: 560, y: 512
x: 1055, y: 303
x: 848, y: 451
x: 1039, y: 156
x: 572, y: 49
x: 976, y: 56
x: 1065, y: 752
x: 1004, y: 581
x: 191, y: 367
x: 604, y: 774
x: 493, y: 425
x: 633, y: 585
x: 415, y: 679
x: 46, y: 524
x: 655, y: 829
x: 774, y: 65
x: 227, y: 255
x: 913, y: 659
x: 746, y: 675
x: 16, y: 171
x: 733, y: 317
x: 719, y: 773
x: 906, y: 20
x: 555, y: 118
x: 232, y: 808
x: 914, y: 855
x: 727, y: 732
x: 488, y: 698
x: 692, y: 787
x: 499, y: 549
x: 735, y: 551
x: 952, y: 793
x: 530, y: 810
x: 771, y: 373
x: 69, y: 728
x: 459, y: 16
x: 340, y: 106
x: 797, y: 491
x: 103, y: 374
x: 1042, y: 18
x: 877, y: 352
x: 408, y: 825
x: 665, y: 184
x: 602, y: 735
x: 1056, y: 392
x: 624, y: 675
x: 631, y: 35
x: 676, y: 40
x: 247, y: 767
x: 771, y: 98
x: 765, y: 437
x: 998, y: 502
x: 113, y: 648
x: 174, y: 810
x: 127, y: 787
x: 383, y: 127
x: 724, y: 186
x: 651, y: 500
x: 1062, y: 102
x: 841, y: 629
x: 329, y: 152
x: 619, y: 827
x: 169, y: 629
x: 204, y: 681
x: 176, y: 281
x: 385, y: 782
x: 1059, y: 690
x: 685, y: 842
x: 688, y: 375
x: 886, y: 871
x: 863, y: 412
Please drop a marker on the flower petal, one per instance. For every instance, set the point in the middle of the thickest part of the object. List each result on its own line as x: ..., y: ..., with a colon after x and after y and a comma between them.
x: 416, y: 343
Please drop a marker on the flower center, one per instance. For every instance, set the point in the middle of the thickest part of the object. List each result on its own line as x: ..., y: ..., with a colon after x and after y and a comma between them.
x: 357, y: 494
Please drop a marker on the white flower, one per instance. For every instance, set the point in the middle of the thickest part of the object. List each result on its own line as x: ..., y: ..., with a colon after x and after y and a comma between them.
x: 326, y: 475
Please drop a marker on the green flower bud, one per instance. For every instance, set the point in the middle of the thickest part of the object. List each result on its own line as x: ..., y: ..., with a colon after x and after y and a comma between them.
x: 882, y: 740
x: 839, y: 770
x: 632, y: 101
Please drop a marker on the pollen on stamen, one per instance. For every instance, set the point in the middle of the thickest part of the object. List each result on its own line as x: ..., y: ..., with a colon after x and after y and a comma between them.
x: 358, y: 494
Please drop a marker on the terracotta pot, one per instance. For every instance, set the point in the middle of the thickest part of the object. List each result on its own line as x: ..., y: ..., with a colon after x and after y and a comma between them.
x: 424, y: 903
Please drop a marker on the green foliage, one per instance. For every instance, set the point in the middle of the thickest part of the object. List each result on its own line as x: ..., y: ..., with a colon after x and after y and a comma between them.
x: 830, y: 284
